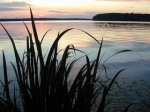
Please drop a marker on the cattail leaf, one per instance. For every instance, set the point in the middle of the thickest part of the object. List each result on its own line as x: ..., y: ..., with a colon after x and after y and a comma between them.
x: 6, y: 83
x: 45, y: 35
x: 38, y: 44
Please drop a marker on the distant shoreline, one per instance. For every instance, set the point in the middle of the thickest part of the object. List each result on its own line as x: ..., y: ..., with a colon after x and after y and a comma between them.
x: 122, y: 17
x: 42, y: 19
x: 99, y: 17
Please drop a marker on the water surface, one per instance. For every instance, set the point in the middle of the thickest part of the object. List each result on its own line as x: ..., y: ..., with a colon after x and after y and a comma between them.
x: 117, y: 36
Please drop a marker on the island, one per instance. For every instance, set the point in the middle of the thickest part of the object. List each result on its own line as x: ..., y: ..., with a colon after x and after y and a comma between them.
x: 122, y: 17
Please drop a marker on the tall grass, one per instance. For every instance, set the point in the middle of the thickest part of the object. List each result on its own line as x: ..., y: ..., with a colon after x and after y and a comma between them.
x: 43, y: 81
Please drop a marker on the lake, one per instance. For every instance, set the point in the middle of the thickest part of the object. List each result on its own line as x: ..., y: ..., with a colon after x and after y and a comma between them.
x: 117, y: 36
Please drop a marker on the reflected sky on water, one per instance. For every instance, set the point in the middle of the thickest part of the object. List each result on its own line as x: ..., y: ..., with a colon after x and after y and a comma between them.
x: 117, y: 36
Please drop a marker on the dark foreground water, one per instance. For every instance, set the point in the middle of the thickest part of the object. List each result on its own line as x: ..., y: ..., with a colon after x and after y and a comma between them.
x: 117, y: 36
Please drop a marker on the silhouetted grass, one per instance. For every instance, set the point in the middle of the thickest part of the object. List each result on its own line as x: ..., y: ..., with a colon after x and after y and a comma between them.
x: 42, y: 82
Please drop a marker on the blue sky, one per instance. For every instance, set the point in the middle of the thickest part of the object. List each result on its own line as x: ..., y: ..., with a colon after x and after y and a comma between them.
x: 70, y: 8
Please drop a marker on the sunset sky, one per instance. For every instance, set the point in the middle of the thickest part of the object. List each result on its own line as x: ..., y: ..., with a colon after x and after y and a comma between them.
x: 70, y: 8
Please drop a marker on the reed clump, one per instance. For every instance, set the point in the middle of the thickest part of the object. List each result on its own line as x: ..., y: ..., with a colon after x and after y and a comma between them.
x: 42, y: 82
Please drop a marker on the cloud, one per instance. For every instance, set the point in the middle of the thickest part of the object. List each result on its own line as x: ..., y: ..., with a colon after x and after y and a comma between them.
x: 10, y: 9
x: 57, y: 12
x: 13, y: 6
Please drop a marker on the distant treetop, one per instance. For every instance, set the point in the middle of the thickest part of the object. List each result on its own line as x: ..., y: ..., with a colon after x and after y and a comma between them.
x: 121, y: 17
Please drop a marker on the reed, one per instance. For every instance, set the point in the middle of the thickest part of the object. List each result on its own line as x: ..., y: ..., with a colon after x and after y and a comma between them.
x: 43, y: 81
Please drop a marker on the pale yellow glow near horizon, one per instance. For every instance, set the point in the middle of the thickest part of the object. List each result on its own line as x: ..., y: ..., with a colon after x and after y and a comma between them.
x: 72, y: 8
x: 59, y: 2
x: 92, y: 6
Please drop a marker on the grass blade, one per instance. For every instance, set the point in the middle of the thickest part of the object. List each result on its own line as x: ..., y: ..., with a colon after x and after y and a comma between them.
x: 38, y: 44
x: 45, y: 35
x: 6, y: 83
x: 122, y: 51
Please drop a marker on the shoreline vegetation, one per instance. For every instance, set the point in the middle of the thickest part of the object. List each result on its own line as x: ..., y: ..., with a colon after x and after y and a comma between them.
x: 122, y: 17
x: 42, y: 81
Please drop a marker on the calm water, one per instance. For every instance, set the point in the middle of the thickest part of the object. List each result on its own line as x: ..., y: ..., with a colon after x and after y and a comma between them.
x: 117, y: 36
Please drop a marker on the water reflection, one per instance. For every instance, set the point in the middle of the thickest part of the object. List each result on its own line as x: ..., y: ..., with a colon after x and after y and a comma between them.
x: 117, y: 36
x: 116, y: 31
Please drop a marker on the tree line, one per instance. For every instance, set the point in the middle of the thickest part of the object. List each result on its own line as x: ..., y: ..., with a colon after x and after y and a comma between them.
x: 121, y: 17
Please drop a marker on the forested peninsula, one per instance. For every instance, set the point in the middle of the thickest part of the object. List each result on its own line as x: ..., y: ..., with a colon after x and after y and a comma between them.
x: 121, y: 17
